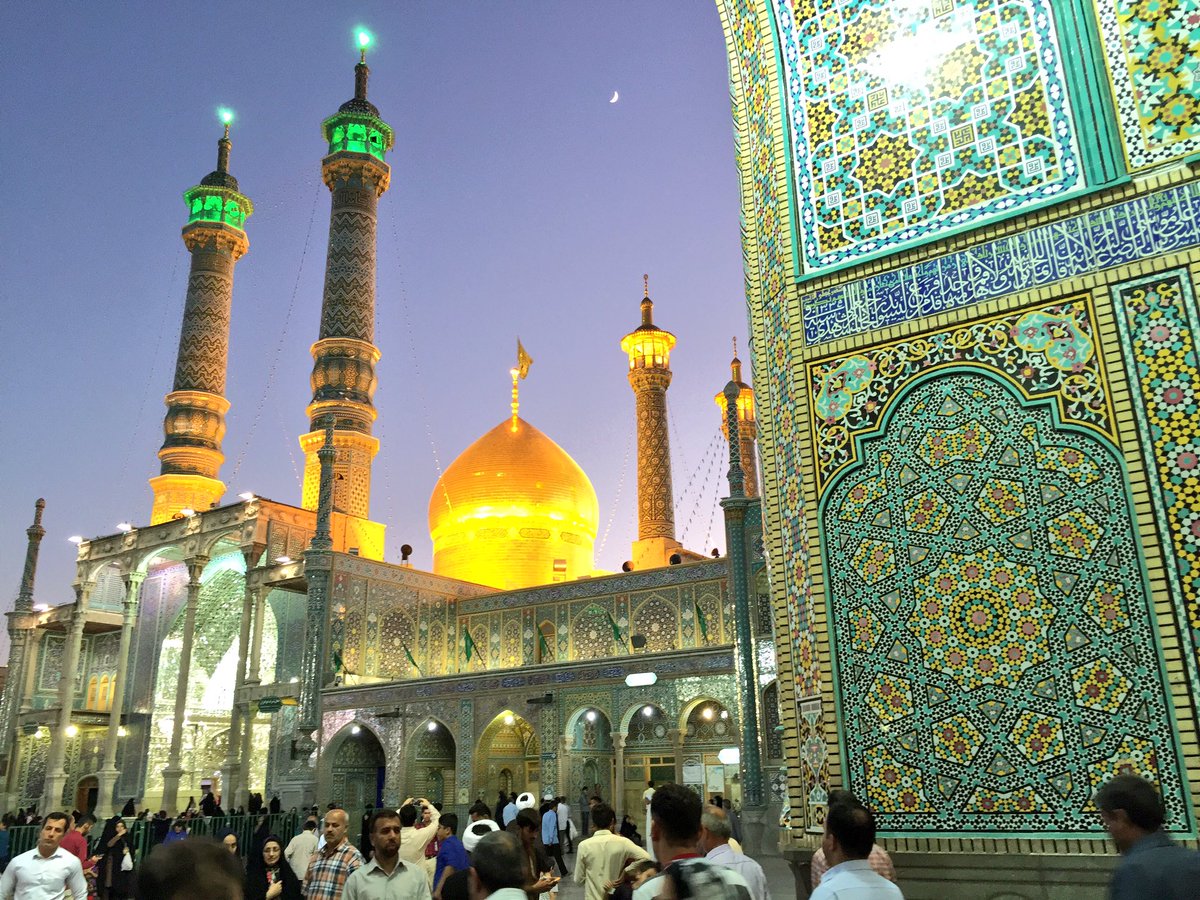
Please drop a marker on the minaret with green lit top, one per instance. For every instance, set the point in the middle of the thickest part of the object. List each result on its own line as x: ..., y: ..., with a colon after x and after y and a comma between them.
x: 344, y: 356
x: 195, y: 421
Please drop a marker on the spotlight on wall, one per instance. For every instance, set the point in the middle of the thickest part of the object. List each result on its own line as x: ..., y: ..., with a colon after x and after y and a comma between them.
x: 724, y: 714
x: 76, y: 539
x: 246, y: 495
x: 122, y: 731
x: 707, y: 713
x: 125, y: 527
x: 640, y: 679
x: 508, y: 720
x: 283, y: 560
x: 356, y: 729
x: 647, y: 711
x: 72, y: 730
x: 432, y: 726
x: 187, y: 511
x: 675, y: 559
x: 591, y: 715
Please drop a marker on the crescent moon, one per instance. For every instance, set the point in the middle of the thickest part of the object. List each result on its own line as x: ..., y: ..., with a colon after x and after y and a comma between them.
x: 615, y: 97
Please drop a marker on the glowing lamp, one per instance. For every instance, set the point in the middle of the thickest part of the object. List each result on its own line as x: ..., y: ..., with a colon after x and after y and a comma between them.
x: 724, y: 714
x: 730, y: 756
x: 42, y: 607
x: 432, y: 726
x: 225, y: 115
x: 591, y: 715
x: 508, y: 720
x: 246, y: 495
x: 283, y: 560
x: 125, y: 527
x: 647, y: 711
x: 707, y: 713
x: 364, y: 38
x: 122, y: 731
x: 355, y: 729
x: 640, y: 679
x: 187, y: 511
x: 72, y: 730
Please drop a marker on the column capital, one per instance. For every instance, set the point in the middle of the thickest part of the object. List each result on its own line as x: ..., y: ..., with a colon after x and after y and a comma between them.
x: 618, y: 739
x: 195, y: 566
x: 252, y: 552
x: 133, y: 580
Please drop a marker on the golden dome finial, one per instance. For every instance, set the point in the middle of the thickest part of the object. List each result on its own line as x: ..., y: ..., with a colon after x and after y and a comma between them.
x: 646, y: 286
x: 515, y: 373
x: 735, y: 366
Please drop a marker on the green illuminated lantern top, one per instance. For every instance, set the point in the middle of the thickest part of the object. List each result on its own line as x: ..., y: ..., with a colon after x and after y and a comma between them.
x: 216, y: 198
x: 356, y: 127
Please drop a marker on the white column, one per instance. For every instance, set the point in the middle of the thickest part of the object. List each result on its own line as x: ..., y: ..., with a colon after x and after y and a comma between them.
x: 173, y: 771
x: 107, y: 804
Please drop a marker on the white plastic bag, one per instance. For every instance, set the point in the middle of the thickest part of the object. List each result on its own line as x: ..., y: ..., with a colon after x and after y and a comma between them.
x: 127, y: 861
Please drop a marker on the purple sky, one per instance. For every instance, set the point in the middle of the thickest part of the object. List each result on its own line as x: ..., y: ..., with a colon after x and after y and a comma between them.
x: 522, y: 203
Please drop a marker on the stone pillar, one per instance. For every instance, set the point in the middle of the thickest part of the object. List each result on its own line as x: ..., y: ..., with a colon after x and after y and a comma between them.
x: 173, y: 771
x: 107, y: 804
x: 253, y: 672
x: 233, y: 769
x: 618, y: 740
x: 246, y: 738
x: 56, y: 773
x: 675, y: 736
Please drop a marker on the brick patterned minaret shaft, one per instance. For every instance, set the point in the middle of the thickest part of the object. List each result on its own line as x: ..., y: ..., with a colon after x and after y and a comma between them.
x: 747, y: 424
x: 195, y: 422
x: 649, y: 350
x: 344, y: 356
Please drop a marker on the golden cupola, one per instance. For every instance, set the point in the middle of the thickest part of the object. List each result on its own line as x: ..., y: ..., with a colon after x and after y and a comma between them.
x: 513, y: 511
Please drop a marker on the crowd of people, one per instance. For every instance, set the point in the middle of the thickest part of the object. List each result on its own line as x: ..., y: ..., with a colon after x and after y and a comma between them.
x: 416, y: 852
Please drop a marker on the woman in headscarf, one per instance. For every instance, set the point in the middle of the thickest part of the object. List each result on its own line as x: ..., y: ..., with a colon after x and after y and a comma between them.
x: 113, y: 882
x: 268, y: 876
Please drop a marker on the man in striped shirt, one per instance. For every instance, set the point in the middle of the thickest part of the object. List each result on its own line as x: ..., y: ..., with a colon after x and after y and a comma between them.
x: 332, y: 864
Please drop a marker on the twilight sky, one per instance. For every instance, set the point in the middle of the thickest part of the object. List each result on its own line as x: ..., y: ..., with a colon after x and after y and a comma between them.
x: 522, y: 203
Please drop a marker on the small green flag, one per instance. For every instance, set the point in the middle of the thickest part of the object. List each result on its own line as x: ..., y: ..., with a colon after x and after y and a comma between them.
x: 408, y: 653
x: 703, y: 621
x: 468, y: 644
x: 546, y: 654
x: 338, y: 665
x: 616, y: 629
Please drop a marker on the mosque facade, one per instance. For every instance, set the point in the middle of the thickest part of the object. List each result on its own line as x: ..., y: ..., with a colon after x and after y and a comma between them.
x: 972, y: 239
x: 260, y: 645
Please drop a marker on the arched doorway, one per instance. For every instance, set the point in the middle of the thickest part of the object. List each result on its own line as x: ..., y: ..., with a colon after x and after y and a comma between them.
x: 589, y: 759
x: 708, y: 729
x: 87, y: 792
x: 649, y: 755
x: 357, y: 773
x: 508, y: 742
x: 429, y: 764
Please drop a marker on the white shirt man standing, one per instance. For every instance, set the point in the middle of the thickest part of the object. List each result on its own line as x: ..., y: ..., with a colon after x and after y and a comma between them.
x: 715, y: 832
x: 47, y: 871
x: 413, y: 840
x: 301, y: 848
x: 849, y: 836
x: 647, y: 796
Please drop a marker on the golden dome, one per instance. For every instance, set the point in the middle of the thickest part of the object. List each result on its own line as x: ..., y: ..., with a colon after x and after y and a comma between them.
x: 513, y: 511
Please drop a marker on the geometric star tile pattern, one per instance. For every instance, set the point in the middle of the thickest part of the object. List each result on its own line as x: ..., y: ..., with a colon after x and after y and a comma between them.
x: 991, y: 625
x: 909, y: 119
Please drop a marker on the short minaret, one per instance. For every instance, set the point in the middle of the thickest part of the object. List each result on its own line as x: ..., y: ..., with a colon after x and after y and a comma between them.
x: 195, y: 422
x: 649, y: 350
x: 344, y: 356
x: 747, y: 425
x: 21, y: 623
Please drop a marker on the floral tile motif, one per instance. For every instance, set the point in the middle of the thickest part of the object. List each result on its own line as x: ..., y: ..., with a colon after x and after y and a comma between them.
x: 997, y: 668
x: 1158, y: 322
x: 912, y: 119
x: 1152, y: 48
x: 1048, y: 351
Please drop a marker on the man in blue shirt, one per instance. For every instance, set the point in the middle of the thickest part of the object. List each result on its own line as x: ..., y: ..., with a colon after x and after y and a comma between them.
x: 510, y: 811
x: 1153, y: 865
x: 452, y: 855
x: 550, y: 834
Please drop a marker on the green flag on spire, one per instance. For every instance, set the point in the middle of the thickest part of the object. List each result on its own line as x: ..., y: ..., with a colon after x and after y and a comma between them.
x: 702, y: 620
x: 546, y: 654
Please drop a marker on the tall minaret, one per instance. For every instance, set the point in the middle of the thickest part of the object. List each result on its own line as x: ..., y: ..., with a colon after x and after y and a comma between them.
x: 649, y: 349
x: 344, y: 356
x: 195, y: 422
x: 747, y: 425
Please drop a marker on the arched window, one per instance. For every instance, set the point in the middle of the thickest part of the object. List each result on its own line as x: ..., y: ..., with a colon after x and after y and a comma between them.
x: 102, y: 696
x: 112, y: 689
x: 93, y: 683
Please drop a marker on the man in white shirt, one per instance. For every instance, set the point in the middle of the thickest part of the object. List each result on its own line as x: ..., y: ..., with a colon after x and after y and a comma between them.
x: 47, y: 871
x: 715, y: 833
x: 301, y: 848
x: 564, y: 826
x: 386, y: 876
x: 604, y: 855
x: 849, y: 836
x: 647, y: 796
x: 413, y: 840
